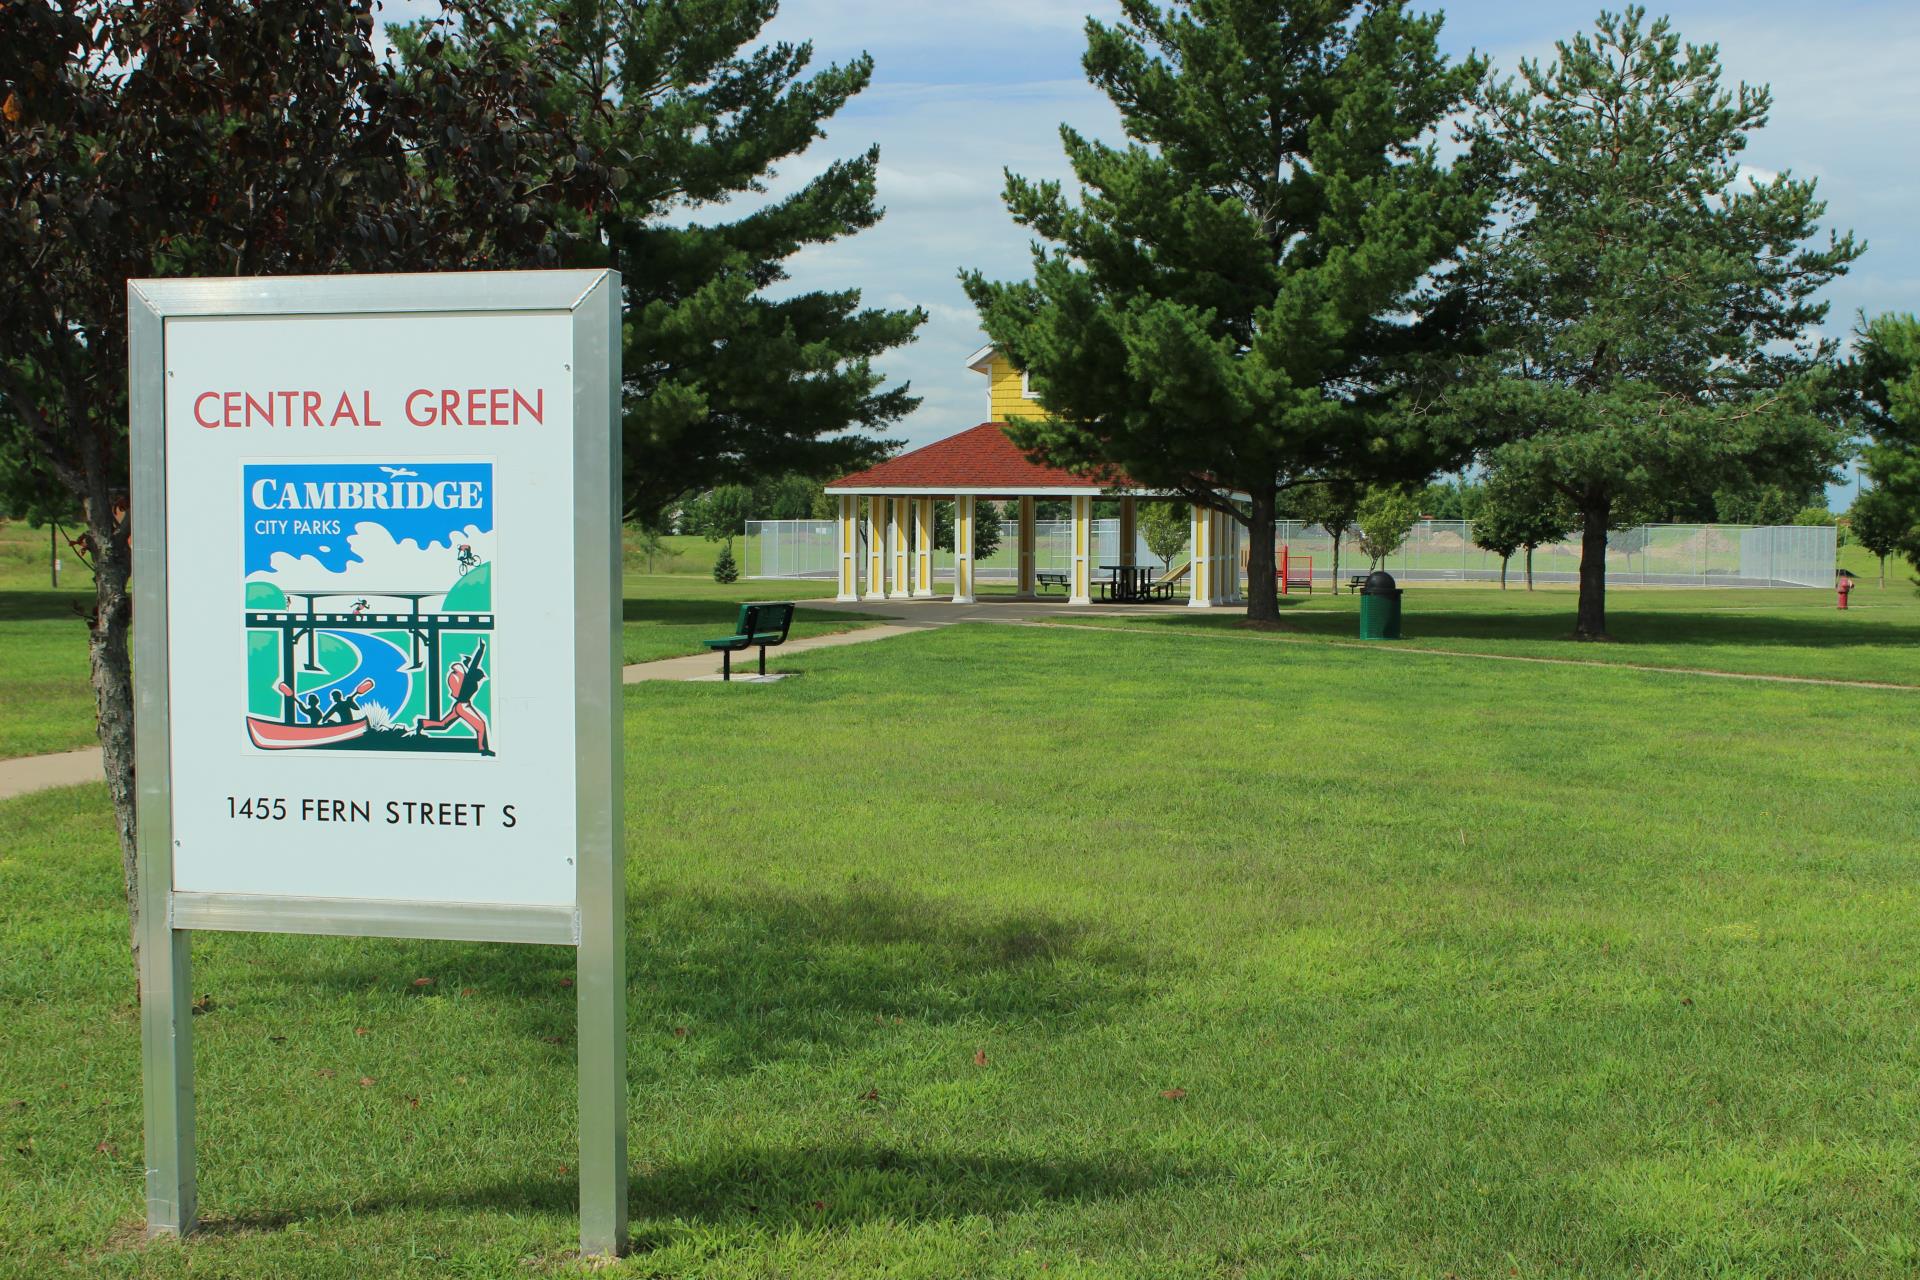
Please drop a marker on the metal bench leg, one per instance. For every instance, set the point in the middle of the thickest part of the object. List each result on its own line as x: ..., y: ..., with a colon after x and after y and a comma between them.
x: 763, y: 660
x: 726, y: 664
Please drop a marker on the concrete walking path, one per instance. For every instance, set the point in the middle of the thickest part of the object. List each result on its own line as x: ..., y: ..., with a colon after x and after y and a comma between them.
x: 704, y: 666
x: 37, y: 773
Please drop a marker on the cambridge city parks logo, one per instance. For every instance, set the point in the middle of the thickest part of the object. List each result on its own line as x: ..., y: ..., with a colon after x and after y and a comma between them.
x: 369, y: 606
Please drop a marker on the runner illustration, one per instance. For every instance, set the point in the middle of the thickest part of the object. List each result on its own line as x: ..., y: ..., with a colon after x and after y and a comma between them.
x: 467, y: 559
x: 464, y: 678
x: 359, y: 606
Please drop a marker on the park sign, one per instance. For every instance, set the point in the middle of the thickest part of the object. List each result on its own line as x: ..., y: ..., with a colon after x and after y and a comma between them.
x: 377, y: 643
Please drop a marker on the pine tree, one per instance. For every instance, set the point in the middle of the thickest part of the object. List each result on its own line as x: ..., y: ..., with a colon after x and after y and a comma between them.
x: 1886, y: 375
x: 725, y: 382
x: 1237, y: 302
x: 1651, y: 311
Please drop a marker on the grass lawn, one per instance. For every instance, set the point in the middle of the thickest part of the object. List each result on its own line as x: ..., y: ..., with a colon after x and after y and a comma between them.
x: 993, y: 951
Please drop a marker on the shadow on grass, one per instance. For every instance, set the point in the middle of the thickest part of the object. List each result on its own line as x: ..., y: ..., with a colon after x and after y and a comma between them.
x: 747, y: 977
x: 719, y: 613
x: 1628, y: 627
x: 729, y: 982
x: 782, y: 1190
x: 36, y: 606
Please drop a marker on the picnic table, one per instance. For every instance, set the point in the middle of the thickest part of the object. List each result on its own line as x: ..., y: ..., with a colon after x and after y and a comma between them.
x: 1128, y: 583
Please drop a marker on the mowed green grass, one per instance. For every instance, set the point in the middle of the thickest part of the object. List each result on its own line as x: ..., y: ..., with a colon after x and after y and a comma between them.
x: 1768, y: 632
x: 997, y: 951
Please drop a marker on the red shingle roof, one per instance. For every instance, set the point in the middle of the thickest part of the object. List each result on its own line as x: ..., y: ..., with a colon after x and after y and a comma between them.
x: 978, y: 458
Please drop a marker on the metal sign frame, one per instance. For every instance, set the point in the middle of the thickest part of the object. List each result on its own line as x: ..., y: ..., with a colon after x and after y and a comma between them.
x: 595, y: 926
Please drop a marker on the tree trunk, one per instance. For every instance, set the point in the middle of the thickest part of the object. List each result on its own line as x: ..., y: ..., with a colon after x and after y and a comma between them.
x: 1590, y: 623
x: 1529, y: 566
x: 1883, y: 571
x: 111, y: 665
x: 1336, y: 564
x: 1263, y: 596
x: 1503, y: 571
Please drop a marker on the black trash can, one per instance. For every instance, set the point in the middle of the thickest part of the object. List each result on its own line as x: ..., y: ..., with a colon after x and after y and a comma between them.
x: 1379, y: 607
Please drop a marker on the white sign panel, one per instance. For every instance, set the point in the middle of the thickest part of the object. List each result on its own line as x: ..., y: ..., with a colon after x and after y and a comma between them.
x: 371, y: 611
x: 376, y: 645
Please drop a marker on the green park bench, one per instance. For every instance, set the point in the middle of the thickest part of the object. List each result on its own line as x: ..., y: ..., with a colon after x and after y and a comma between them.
x: 1041, y: 581
x: 761, y: 626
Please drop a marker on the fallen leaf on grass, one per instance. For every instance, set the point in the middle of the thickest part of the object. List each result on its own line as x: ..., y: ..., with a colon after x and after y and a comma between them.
x: 467, y: 991
x: 360, y: 1031
x: 203, y: 1003
x: 679, y: 1033
x: 1173, y: 1095
x: 566, y: 982
x: 820, y: 1206
x: 423, y: 982
x: 871, y: 1095
x: 979, y: 1057
x: 106, y: 1148
x: 367, y: 1082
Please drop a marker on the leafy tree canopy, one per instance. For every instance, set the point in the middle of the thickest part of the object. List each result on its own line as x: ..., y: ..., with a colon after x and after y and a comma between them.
x: 1166, y: 526
x: 1385, y: 517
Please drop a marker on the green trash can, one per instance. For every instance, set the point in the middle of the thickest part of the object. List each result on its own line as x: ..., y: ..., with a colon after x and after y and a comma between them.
x: 1379, y: 607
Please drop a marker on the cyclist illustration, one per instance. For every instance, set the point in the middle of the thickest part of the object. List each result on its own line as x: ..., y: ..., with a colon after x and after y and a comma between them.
x: 467, y: 559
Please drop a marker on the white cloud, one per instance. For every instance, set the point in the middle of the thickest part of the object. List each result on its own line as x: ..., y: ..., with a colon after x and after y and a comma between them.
x: 379, y: 562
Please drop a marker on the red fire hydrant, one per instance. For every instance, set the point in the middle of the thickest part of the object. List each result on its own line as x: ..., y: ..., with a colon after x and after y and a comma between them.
x: 1845, y: 585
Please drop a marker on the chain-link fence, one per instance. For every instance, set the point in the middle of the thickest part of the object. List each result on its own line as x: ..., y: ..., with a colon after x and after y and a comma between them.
x: 807, y: 549
x: 1706, y: 555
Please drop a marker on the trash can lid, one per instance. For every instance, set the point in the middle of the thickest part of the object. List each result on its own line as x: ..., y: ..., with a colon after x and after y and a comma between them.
x: 1378, y: 583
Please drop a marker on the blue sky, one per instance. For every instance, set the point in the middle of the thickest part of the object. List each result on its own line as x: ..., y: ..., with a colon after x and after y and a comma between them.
x: 959, y: 92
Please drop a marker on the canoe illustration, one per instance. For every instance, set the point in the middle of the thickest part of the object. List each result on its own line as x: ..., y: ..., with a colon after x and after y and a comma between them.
x: 276, y: 735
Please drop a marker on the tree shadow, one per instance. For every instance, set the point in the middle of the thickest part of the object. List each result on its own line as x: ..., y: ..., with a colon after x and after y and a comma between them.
x: 1629, y: 627
x: 718, y: 613
x: 758, y: 973
x: 814, y: 1187
x: 44, y: 605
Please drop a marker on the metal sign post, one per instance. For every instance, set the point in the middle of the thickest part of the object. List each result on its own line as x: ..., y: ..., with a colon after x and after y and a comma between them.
x: 368, y: 703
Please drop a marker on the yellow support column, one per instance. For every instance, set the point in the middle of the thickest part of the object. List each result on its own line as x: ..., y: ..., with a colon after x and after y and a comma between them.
x: 849, y: 533
x: 1128, y: 532
x: 876, y: 548
x: 1200, y: 576
x: 1026, y: 548
x: 923, y: 547
x: 901, y: 586
x: 1217, y: 545
x: 1082, y: 551
x: 963, y: 549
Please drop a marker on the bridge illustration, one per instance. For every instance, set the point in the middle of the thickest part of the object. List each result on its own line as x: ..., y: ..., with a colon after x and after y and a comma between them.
x: 423, y: 628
